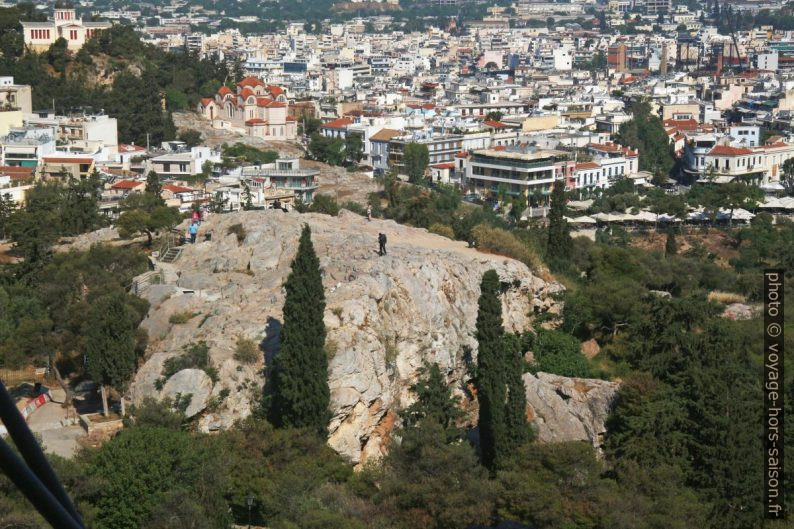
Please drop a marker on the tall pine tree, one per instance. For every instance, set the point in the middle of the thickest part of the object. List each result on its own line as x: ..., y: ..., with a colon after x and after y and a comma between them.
x: 500, y: 389
x: 300, y: 395
x: 110, y: 343
x: 559, y: 242
x: 435, y: 403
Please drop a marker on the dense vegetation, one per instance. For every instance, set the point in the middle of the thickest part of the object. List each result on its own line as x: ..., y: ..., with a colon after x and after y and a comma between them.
x: 681, y: 450
x: 644, y: 131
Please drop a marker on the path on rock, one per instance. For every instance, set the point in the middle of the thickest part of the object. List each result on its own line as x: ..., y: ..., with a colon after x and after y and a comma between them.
x: 397, y: 236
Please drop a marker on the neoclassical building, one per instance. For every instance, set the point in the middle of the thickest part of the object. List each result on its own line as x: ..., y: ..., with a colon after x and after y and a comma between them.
x: 39, y: 36
x: 259, y: 108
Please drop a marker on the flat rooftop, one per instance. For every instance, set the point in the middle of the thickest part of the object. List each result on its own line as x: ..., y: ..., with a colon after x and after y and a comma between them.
x: 523, y: 156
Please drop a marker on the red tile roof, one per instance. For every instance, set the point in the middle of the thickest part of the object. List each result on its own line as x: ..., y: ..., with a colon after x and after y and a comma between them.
x: 448, y: 165
x: 613, y: 147
x: 222, y: 91
x: 251, y: 81
x: 256, y: 121
x: 727, y: 150
x: 681, y: 124
x: 205, y: 101
x: 338, y: 123
x: 587, y: 165
x: 177, y: 189
x: 274, y: 90
x: 124, y: 148
x: 495, y: 124
x: 17, y: 173
x: 127, y: 184
x: 269, y: 103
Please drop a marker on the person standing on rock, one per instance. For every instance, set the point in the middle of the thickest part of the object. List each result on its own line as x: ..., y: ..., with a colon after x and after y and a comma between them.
x: 193, y: 230
x: 381, y: 244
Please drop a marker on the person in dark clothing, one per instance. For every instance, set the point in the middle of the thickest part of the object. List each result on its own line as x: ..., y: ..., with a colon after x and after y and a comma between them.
x: 381, y: 244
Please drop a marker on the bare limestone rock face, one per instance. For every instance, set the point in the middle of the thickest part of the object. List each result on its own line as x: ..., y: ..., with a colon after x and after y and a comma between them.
x: 569, y: 409
x: 385, y: 316
x: 192, y: 384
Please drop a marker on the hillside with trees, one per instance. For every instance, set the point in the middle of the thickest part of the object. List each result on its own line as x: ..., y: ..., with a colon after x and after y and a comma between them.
x: 137, y: 83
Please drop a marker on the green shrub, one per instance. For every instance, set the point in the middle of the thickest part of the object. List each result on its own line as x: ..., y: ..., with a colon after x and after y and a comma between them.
x: 502, y: 242
x: 196, y: 356
x: 558, y: 353
x: 238, y: 230
x: 324, y: 204
x: 246, y: 351
x: 442, y: 229
x: 179, y: 318
x: 355, y: 207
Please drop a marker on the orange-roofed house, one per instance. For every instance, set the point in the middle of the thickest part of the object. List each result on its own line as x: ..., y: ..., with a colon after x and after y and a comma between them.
x: 719, y: 161
x: 616, y: 160
x: 254, y: 106
x: 123, y: 188
x: 336, y: 128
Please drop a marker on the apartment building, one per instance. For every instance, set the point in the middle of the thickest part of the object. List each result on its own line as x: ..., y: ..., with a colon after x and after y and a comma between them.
x: 442, y: 148
x: 182, y: 164
x: 284, y: 174
x: 529, y: 172
x: 25, y: 147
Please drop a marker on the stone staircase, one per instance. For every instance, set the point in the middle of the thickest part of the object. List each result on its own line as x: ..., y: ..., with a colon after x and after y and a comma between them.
x: 171, y: 254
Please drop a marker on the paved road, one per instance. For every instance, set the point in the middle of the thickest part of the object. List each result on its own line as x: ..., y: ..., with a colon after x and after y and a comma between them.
x: 47, y: 423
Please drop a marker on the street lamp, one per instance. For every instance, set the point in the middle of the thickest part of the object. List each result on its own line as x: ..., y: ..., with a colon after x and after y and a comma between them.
x: 249, y: 500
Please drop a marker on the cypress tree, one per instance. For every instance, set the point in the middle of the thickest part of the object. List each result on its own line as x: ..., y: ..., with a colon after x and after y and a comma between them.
x: 491, y: 389
x: 516, y: 408
x: 300, y: 396
x: 559, y: 242
x: 670, y: 245
x: 153, y: 184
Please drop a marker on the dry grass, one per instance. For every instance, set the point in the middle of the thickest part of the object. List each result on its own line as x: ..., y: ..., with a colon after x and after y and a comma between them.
x: 502, y: 242
x: 442, y: 229
x: 726, y: 298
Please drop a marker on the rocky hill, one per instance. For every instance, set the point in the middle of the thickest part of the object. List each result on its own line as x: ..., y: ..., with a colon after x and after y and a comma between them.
x: 385, y: 316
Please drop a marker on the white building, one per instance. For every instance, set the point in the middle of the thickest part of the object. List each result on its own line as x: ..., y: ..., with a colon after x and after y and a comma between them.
x: 39, y: 36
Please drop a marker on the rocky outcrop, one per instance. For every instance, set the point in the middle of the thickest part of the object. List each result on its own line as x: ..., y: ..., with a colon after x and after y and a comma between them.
x: 741, y: 311
x: 590, y: 348
x: 569, y: 409
x: 385, y: 316
x: 192, y: 386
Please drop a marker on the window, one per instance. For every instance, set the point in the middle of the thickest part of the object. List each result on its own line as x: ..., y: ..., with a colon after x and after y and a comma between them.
x: 72, y: 34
